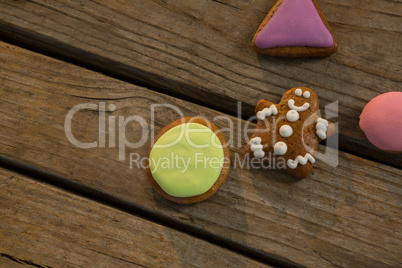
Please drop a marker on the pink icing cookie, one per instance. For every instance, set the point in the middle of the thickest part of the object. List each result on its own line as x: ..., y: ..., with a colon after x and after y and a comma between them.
x: 295, y: 28
x: 381, y: 121
x: 295, y: 23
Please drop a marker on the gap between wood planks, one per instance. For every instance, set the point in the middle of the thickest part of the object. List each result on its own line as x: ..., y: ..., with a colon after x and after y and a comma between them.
x: 138, y: 211
x: 23, y: 263
x: 41, y: 47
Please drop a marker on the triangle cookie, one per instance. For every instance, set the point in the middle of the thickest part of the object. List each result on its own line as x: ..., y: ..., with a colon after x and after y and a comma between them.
x: 295, y: 28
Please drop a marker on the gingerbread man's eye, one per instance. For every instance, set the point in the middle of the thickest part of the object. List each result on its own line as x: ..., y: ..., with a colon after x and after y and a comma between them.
x: 299, y: 93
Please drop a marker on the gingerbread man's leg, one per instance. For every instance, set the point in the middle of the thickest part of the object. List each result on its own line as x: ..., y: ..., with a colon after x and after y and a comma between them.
x: 259, y: 144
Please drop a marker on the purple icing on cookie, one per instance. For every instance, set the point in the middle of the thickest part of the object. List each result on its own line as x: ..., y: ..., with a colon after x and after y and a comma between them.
x: 295, y: 23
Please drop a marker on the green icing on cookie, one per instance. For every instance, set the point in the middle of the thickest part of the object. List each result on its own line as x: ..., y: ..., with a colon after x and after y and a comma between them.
x: 187, y: 160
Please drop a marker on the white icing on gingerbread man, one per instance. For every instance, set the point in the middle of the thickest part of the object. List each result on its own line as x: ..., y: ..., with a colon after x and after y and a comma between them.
x: 267, y: 112
x: 322, y: 128
x: 302, y: 160
x: 256, y: 147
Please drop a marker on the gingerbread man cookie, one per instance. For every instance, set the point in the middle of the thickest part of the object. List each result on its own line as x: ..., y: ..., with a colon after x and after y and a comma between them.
x: 290, y: 130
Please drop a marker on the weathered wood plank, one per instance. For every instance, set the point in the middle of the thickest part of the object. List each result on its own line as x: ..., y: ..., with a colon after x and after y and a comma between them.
x: 349, y: 215
x: 48, y: 227
x: 8, y: 262
x: 201, y: 50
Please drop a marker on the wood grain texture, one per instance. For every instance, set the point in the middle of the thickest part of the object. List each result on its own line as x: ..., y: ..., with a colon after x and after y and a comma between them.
x: 348, y: 215
x: 200, y: 50
x: 10, y: 262
x: 53, y: 228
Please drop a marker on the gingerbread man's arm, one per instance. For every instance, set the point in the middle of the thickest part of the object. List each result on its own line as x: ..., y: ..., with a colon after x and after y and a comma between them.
x: 265, y: 108
x: 263, y: 104
x: 255, y: 146
x: 324, y: 128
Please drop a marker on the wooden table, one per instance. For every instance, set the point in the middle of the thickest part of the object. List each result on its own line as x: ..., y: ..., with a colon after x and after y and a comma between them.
x: 64, y: 206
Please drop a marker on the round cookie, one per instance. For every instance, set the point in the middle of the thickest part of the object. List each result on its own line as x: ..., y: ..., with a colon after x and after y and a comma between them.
x: 381, y: 121
x: 188, y: 160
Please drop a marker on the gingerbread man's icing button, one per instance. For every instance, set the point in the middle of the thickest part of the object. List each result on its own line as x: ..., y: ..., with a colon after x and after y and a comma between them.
x: 293, y: 133
x: 280, y: 148
x: 286, y: 131
x: 292, y: 116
